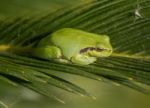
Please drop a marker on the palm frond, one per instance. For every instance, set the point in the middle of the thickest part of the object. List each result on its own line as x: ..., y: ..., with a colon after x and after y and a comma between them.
x: 129, y: 33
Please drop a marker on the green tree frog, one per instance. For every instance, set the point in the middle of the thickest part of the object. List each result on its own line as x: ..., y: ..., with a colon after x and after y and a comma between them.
x: 73, y: 45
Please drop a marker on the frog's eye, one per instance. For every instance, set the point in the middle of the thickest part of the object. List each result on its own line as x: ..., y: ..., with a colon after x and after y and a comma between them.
x: 106, y: 38
x: 89, y: 49
x: 101, y: 45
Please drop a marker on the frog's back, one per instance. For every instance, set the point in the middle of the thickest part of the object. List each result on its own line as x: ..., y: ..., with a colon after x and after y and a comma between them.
x: 74, y: 35
x: 71, y: 41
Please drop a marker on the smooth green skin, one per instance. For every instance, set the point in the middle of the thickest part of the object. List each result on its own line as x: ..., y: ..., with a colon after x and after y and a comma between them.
x: 67, y: 44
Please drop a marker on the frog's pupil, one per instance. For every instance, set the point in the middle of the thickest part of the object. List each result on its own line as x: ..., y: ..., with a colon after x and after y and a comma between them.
x: 91, y: 49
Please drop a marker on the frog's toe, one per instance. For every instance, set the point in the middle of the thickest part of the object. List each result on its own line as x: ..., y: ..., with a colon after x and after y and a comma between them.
x: 82, y: 59
x: 62, y: 61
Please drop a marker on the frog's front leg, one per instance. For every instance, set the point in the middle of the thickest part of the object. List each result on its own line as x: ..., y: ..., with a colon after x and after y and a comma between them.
x: 82, y: 59
x: 48, y: 52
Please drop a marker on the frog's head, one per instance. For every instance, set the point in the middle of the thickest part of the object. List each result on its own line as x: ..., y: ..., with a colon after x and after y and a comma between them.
x: 102, y: 48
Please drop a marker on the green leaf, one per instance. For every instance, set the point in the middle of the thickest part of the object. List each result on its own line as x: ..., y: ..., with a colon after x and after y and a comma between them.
x: 130, y: 36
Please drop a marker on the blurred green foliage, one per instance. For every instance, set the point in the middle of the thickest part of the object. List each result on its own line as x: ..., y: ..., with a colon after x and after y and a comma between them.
x: 27, y: 7
x: 107, y: 96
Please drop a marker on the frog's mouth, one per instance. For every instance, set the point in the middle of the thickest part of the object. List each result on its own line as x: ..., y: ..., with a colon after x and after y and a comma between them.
x: 84, y: 50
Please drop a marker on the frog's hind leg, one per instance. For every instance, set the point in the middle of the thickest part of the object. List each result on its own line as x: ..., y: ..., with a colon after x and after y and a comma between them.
x: 47, y: 52
x: 82, y: 59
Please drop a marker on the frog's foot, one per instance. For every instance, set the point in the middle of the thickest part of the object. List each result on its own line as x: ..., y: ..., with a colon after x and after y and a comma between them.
x: 62, y: 61
x: 82, y: 59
